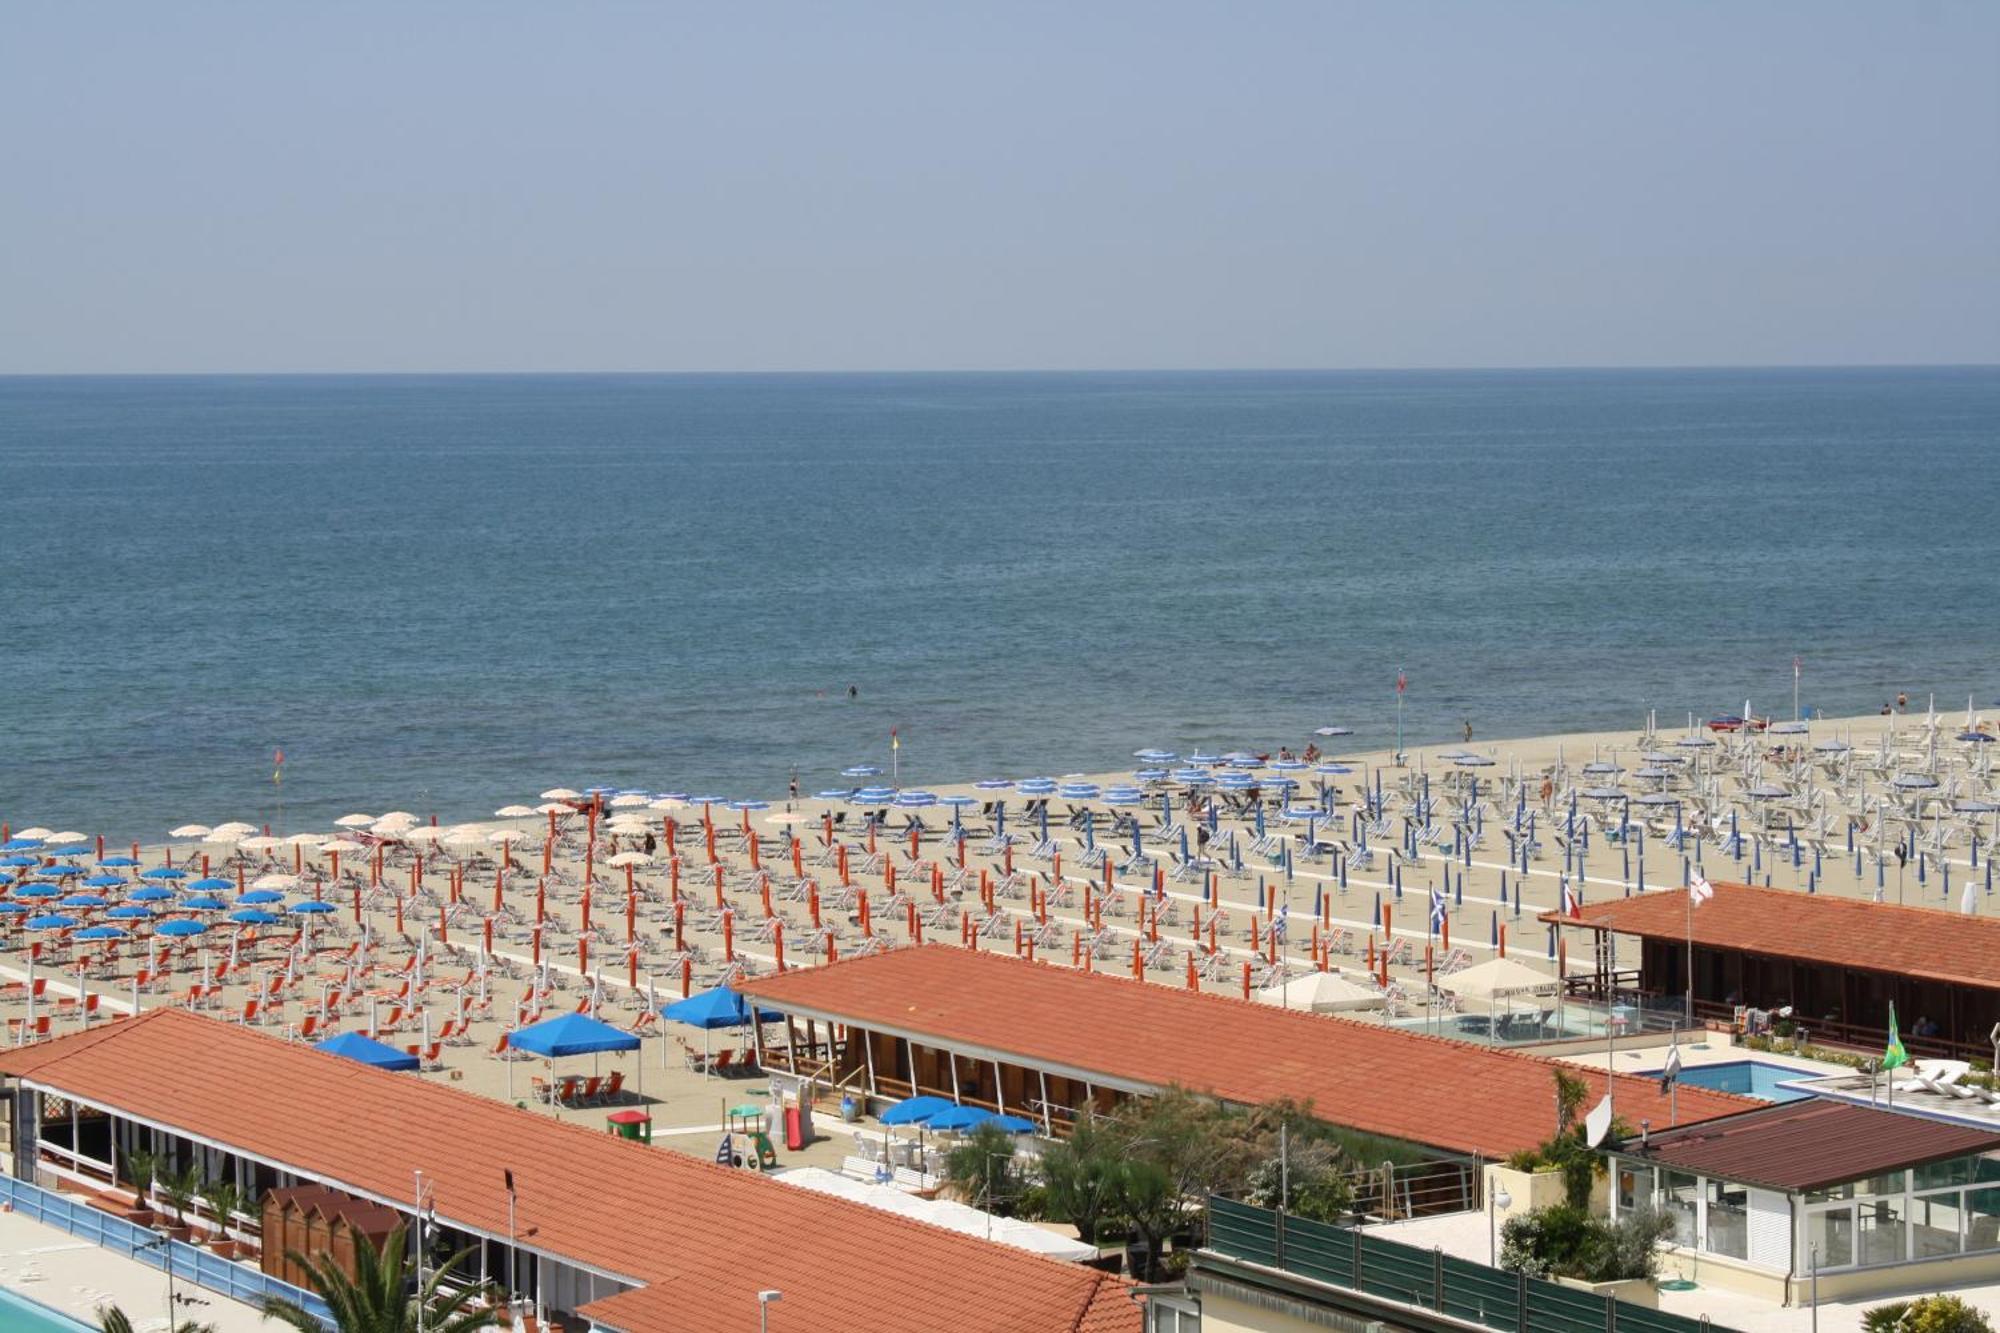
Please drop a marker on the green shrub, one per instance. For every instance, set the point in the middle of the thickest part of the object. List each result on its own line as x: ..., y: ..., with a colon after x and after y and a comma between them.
x: 1927, y: 1314
x: 1566, y: 1241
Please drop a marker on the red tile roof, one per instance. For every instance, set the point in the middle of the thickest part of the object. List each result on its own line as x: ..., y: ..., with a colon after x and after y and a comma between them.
x: 1447, y: 1094
x: 1811, y: 1144
x: 1916, y: 942
x: 702, y: 1238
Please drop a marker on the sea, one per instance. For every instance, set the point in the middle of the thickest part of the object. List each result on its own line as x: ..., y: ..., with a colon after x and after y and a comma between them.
x: 446, y: 594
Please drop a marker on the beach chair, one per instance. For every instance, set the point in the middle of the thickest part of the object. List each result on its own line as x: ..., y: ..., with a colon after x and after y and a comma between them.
x: 586, y: 1095
x: 614, y: 1086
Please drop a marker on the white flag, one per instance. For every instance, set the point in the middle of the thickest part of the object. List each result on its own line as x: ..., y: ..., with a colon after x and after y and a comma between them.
x: 1671, y: 1071
x: 1700, y: 890
x: 1598, y: 1123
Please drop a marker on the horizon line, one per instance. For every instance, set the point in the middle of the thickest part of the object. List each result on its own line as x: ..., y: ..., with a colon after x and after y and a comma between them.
x: 1008, y: 370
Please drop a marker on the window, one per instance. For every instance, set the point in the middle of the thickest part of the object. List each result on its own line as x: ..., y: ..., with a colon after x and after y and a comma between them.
x: 1982, y: 1219
x: 1831, y: 1193
x: 1880, y: 1225
x: 1681, y: 1198
x: 1957, y: 1171
x: 1168, y: 1314
x: 1935, y: 1223
x: 1635, y: 1188
x: 1830, y: 1231
x: 1728, y: 1219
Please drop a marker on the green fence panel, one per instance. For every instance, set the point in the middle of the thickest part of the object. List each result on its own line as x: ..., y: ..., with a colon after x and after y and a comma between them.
x: 1243, y: 1232
x: 1553, y: 1308
x: 1400, y: 1272
x: 1639, y: 1319
x: 1484, y: 1295
x: 1320, y: 1251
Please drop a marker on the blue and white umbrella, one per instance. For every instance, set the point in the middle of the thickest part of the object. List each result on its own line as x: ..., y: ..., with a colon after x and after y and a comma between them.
x: 749, y: 805
x: 39, y: 891
x: 1124, y: 796
x: 1036, y: 786
x: 862, y: 771
x: 212, y: 884
x: 1288, y: 765
x: 915, y: 800
x: 1080, y: 791
x: 994, y: 784
x: 1149, y: 774
x: 1155, y: 756
x: 833, y: 794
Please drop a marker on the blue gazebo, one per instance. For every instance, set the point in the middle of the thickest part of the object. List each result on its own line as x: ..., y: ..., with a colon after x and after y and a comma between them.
x: 572, y: 1034
x: 712, y: 1009
x: 356, y: 1046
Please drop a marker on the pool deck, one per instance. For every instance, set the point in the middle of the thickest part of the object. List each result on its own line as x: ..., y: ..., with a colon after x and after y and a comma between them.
x: 1649, y: 1054
x: 75, y: 1278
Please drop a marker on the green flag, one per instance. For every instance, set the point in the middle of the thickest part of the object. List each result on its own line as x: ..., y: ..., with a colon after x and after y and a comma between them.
x: 1895, y: 1054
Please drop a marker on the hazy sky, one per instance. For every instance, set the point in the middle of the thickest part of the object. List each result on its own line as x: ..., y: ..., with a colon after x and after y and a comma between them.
x: 567, y: 186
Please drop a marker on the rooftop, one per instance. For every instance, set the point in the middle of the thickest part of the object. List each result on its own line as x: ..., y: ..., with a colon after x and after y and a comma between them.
x: 1143, y: 1037
x: 1810, y: 1144
x: 1916, y: 942
x: 704, y: 1239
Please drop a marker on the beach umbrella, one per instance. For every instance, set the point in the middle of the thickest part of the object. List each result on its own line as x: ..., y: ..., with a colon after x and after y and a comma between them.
x: 180, y: 927
x: 12, y: 908
x: 259, y: 897
x: 203, y: 902
x: 20, y: 860
x: 310, y: 907
x: 53, y: 921
x: 19, y: 844
x: 713, y: 1009
x: 959, y: 1118
x: 862, y: 771
x: 150, y: 893
x: 86, y: 900
x: 916, y: 1110
x: 833, y: 794
x: 41, y: 891
x: 163, y: 872
x: 252, y: 916
x: 368, y: 1051
x: 190, y: 831
x: 514, y: 812
x: 1012, y: 1124
x: 104, y: 882
x: 130, y: 912
x: 915, y: 800
x: 102, y: 933
x: 993, y: 784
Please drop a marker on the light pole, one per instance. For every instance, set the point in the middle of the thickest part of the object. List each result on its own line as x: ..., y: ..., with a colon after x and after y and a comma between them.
x: 1501, y: 1200
x: 764, y: 1299
x: 165, y: 1246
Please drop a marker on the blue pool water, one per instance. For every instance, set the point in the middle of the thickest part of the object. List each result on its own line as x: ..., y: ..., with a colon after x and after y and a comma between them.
x: 1748, y: 1078
x: 18, y: 1314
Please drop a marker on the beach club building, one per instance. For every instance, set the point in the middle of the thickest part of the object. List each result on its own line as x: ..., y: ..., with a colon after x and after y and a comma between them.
x: 1864, y: 1200
x: 1838, y: 962
x: 1053, y: 1043
x: 590, y: 1229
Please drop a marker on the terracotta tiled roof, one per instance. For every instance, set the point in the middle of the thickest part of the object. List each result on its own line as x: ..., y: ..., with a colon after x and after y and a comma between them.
x: 1915, y: 942
x: 702, y: 1238
x: 1812, y: 1144
x: 1446, y: 1094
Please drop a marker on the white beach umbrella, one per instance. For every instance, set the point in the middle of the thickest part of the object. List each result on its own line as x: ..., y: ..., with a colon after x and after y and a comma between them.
x: 428, y: 833
x: 515, y: 812
x: 1322, y: 992
x: 307, y: 840
x: 36, y: 832
x: 190, y: 831
x: 630, y: 859
x: 65, y: 837
x: 354, y: 821
x: 274, y: 880
x: 786, y: 817
x: 553, y: 808
x: 506, y: 835
x: 343, y: 846
x: 628, y: 800
x: 260, y: 843
x: 666, y: 804
x: 395, y: 818
x: 561, y: 794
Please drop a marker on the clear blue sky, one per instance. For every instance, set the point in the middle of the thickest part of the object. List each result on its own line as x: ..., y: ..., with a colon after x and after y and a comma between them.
x: 651, y: 186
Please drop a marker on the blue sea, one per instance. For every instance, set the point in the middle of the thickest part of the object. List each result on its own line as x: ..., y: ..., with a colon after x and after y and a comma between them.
x: 445, y: 594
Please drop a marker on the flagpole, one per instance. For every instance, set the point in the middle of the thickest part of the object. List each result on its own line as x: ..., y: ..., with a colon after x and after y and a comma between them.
x: 1690, y: 957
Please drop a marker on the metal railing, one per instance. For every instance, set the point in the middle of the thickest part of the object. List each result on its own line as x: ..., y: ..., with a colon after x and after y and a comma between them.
x: 1350, y: 1258
x: 190, y: 1264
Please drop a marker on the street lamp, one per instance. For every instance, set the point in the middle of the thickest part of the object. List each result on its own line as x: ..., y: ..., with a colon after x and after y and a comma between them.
x: 1499, y: 1199
x: 165, y: 1246
x: 764, y: 1299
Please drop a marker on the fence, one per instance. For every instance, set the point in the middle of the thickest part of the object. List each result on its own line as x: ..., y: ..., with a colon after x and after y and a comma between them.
x: 1460, y: 1288
x: 190, y: 1263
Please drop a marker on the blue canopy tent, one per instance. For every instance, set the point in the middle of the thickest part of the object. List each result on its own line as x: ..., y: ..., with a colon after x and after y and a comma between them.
x: 712, y: 1009
x: 916, y: 1110
x: 572, y: 1034
x: 960, y: 1118
x: 356, y: 1046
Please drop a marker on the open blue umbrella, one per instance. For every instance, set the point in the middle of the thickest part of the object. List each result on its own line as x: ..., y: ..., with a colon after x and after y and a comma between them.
x: 960, y: 1118
x: 203, y: 902
x: 212, y: 884
x: 12, y: 908
x: 74, y: 849
x: 833, y: 794
x: 717, y: 1008
x: 122, y: 862
x: 994, y: 784
x: 20, y: 844
x: 82, y: 900
x: 164, y: 872
x: 104, y: 882
x: 53, y: 921
x: 179, y: 928
x: 259, y: 897
x: 130, y: 912
x: 102, y: 933
x: 39, y: 891
x: 916, y: 1110
x: 367, y: 1050
x: 1013, y: 1124
x: 253, y: 916
x: 149, y: 893
x: 20, y: 860
x: 311, y: 907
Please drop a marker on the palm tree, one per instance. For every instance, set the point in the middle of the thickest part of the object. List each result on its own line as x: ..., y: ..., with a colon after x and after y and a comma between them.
x: 112, y: 1319
x: 376, y: 1299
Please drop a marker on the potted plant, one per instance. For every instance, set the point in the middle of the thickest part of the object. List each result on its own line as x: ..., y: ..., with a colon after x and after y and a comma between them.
x: 223, y: 1199
x: 180, y: 1190
x: 142, y: 1167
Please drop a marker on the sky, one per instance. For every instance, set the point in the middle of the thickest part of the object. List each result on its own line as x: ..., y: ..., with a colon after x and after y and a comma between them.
x: 488, y: 185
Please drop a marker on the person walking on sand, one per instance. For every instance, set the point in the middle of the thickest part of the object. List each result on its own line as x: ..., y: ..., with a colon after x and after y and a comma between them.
x: 1468, y: 731
x: 793, y: 799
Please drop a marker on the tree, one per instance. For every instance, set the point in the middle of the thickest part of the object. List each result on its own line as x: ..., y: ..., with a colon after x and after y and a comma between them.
x: 377, y: 1298
x: 112, y: 1319
x: 1566, y: 1241
x: 180, y: 1190
x: 1928, y: 1314
x: 983, y: 1170
x: 1080, y: 1179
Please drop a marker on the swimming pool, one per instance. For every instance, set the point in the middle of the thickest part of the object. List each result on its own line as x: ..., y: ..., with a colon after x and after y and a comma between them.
x: 18, y: 1314
x: 1749, y: 1078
